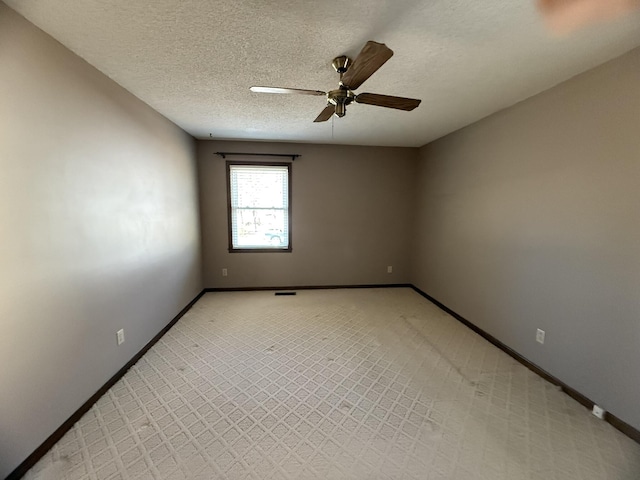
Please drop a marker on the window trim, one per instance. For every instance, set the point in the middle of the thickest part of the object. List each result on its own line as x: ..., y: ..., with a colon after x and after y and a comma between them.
x: 233, y: 249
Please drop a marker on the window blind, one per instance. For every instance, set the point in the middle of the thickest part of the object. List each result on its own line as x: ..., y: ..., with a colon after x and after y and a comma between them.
x: 259, y: 206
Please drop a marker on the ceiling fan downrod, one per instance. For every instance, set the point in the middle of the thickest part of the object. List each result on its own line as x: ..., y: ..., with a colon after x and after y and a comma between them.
x: 342, y: 96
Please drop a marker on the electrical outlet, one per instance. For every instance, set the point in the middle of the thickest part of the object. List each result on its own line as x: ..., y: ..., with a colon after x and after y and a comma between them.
x: 120, y: 336
x: 389, y: 269
x: 540, y: 336
x: 224, y: 272
x: 598, y: 412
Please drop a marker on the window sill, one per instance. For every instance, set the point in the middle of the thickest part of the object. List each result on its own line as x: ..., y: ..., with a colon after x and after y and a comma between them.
x: 260, y: 250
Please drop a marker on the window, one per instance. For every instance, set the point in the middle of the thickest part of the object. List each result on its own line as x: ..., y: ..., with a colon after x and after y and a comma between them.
x: 259, y: 197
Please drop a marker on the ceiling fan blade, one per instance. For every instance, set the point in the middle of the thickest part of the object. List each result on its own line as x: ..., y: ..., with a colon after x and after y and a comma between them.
x: 326, y: 113
x: 298, y: 91
x: 369, y: 60
x: 388, y: 101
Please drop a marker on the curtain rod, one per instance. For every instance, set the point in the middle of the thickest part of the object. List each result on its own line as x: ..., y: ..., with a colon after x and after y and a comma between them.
x: 292, y: 155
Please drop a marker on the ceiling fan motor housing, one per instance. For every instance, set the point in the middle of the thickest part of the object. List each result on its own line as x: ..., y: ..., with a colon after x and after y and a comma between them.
x: 341, y: 98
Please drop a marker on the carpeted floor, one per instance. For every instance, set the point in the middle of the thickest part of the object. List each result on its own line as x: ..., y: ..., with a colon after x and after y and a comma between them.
x: 334, y: 384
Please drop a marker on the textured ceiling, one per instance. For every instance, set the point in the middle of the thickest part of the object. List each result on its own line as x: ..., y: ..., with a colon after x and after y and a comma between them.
x: 194, y: 60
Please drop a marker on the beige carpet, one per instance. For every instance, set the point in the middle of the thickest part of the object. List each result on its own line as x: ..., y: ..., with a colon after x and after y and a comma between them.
x: 334, y: 384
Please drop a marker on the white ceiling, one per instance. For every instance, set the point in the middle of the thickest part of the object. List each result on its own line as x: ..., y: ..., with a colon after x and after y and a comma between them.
x: 194, y: 60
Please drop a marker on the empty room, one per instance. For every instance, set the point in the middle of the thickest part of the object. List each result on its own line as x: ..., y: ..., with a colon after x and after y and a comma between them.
x: 320, y: 240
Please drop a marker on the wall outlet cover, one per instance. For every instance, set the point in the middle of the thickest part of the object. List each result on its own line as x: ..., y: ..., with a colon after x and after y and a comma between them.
x: 598, y: 412
x: 540, y: 336
x: 120, y: 336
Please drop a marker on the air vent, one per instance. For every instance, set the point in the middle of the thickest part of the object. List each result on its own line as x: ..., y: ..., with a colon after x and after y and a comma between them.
x: 285, y: 293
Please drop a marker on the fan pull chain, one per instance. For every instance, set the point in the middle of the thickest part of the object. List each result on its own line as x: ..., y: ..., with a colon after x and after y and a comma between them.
x: 332, y: 118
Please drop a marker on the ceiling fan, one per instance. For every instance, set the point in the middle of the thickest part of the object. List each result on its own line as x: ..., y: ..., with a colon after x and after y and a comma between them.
x: 352, y: 74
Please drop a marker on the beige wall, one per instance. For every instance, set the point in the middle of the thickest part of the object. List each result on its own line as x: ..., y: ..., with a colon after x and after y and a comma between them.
x: 351, y: 211
x: 531, y: 219
x: 98, y: 231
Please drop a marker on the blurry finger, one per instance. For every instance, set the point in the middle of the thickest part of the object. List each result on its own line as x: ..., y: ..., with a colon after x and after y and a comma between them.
x: 564, y: 16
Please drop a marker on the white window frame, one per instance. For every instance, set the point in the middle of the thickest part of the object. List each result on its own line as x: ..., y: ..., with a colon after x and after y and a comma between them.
x: 231, y: 209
